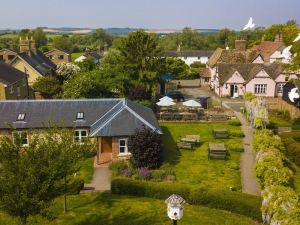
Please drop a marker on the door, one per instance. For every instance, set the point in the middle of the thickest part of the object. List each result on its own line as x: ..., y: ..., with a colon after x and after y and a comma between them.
x: 106, y: 143
x: 234, y: 92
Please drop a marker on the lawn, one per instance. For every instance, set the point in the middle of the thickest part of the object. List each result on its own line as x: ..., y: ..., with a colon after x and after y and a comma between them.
x: 86, y: 169
x: 76, y: 55
x: 193, y: 167
x: 109, y: 209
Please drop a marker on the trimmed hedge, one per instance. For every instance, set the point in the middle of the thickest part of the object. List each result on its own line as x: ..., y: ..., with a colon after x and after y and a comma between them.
x: 234, y: 202
x: 159, y: 190
x: 235, y: 122
x: 292, y: 146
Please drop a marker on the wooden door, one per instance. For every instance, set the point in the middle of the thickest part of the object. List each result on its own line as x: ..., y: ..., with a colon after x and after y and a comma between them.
x: 106, y: 143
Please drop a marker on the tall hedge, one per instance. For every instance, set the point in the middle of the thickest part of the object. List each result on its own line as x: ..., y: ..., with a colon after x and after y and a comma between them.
x: 234, y: 202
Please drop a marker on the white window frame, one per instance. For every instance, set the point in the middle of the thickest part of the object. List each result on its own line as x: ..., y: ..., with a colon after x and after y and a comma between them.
x: 79, y: 115
x: 80, y: 137
x: 260, y: 89
x: 280, y: 87
x: 21, y: 117
x: 20, y: 133
x: 123, y: 146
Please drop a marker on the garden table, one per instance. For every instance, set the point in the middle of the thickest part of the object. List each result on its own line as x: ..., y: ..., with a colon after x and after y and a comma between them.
x: 217, y: 150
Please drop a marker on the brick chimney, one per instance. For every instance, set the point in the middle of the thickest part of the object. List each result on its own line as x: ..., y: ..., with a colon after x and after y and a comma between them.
x: 240, y: 45
x: 278, y: 37
x: 27, y: 45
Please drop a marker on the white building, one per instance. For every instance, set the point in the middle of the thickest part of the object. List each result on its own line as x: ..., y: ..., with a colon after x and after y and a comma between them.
x: 189, y: 57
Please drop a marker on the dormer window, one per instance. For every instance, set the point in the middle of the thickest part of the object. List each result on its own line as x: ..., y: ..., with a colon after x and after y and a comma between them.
x: 80, y: 116
x: 21, y: 117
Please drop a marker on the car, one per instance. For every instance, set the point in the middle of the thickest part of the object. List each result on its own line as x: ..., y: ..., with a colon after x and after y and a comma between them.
x: 176, y: 95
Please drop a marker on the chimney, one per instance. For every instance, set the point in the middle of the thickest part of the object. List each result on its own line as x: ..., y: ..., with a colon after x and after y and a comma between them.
x: 278, y: 37
x: 32, y: 45
x: 27, y: 45
x: 240, y: 45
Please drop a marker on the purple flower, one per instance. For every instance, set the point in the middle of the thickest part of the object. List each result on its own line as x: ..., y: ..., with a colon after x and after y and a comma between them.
x: 144, y: 174
x: 126, y: 172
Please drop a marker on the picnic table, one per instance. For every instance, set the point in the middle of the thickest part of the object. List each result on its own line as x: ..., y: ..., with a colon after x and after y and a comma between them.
x: 217, y: 150
x: 220, y: 133
x: 189, y: 141
x: 178, y: 116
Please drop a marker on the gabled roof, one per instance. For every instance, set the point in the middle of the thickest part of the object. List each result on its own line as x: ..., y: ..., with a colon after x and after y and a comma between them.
x: 59, y: 50
x: 204, y: 72
x: 192, y: 53
x: 38, y: 61
x: 10, y: 75
x: 248, y: 71
x: 104, y: 117
x: 232, y: 56
x: 6, y: 49
x: 268, y: 48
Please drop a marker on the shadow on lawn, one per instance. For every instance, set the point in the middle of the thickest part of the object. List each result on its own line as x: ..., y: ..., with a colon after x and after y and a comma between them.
x: 171, y: 153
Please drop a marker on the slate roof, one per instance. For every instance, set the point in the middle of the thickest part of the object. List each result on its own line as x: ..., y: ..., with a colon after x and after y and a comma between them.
x: 233, y: 56
x: 248, y: 71
x: 10, y: 75
x: 192, y: 53
x: 38, y: 61
x: 103, y: 117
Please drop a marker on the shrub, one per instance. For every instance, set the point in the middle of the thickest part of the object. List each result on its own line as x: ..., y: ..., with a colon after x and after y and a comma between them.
x: 149, y: 189
x: 139, y: 93
x: 235, y: 202
x: 234, y: 122
x: 249, y: 96
x: 163, y: 175
x: 234, y: 145
x: 117, y: 166
x: 146, y: 148
x: 75, y: 186
x: 126, y: 172
x: 143, y: 174
x: 292, y: 146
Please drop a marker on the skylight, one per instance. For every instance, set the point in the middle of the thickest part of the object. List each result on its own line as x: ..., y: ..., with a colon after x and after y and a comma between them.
x: 21, y: 117
x: 80, y: 116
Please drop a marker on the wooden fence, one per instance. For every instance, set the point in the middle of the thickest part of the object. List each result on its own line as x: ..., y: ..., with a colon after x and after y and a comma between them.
x: 279, y: 104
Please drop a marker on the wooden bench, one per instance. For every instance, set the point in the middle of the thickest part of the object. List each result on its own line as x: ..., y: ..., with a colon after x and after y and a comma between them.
x: 185, y: 145
x: 284, y: 130
x: 220, y: 133
x: 219, y: 117
x: 217, y: 150
x: 195, y: 137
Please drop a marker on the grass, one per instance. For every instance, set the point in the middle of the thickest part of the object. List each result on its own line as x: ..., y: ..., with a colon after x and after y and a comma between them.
x: 193, y: 167
x: 86, y: 169
x: 278, y: 119
x: 76, y: 55
x: 122, y: 210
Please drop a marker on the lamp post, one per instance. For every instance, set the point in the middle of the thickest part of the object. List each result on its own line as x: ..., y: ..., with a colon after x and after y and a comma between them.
x: 175, y: 207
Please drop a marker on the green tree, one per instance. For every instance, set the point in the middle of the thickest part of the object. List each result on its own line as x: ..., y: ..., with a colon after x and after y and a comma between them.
x: 140, y: 53
x: 49, y: 87
x: 62, y: 42
x: 29, y: 175
x: 87, y: 64
x: 271, y: 32
x: 39, y: 36
x: 289, y: 33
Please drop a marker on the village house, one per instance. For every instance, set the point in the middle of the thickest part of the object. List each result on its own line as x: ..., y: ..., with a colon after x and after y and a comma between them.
x: 6, y: 55
x: 108, y: 122
x: 13, y: 84
x: 58, y: 56
x: 236, y: 71
x: 190, y: 57
x: 32, y: 62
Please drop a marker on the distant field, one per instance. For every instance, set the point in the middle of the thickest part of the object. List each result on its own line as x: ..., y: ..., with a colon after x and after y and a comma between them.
x: 9, y: 36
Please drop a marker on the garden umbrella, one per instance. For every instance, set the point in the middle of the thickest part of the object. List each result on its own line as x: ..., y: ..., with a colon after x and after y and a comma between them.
x: 192, y: 103
x: 166, y: 98
x: 165, y: 103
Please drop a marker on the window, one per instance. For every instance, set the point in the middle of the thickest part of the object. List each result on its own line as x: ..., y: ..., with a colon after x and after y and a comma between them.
x: 18, y: 91
x: 10, y: 57
x: 123, y: 146
x: 80, y: 116
x: 24, y: 82
x: 21, y: 136
x: 21, y: 117
x: 280, y: 88
x: 50, y: 57
x: 61, y: 57
x: 11, y: 89
x: 80, y: 135
x: 260, y: 88
x: 1, y: 58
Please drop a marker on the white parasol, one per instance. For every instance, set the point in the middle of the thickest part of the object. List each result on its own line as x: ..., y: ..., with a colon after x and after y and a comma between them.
x: 166, y: 98
x: 165, y: 102
x: 192, y: 103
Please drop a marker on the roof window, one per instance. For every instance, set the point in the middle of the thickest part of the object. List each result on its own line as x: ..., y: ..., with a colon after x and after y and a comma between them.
x: 80, y: 116
x: 21, y: 117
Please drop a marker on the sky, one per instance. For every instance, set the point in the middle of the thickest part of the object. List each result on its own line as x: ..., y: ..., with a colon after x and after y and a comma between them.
x: 148, y: 14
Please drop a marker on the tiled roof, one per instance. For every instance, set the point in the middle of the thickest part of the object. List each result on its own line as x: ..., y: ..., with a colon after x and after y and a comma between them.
x: 267, y: 48
x: 204, y: 72
x: 248, y: 71
x: 10, y: 75
x: 104, y: 117
x: 58, y: 49
x: 232, y: 56
x: 39, y: 62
